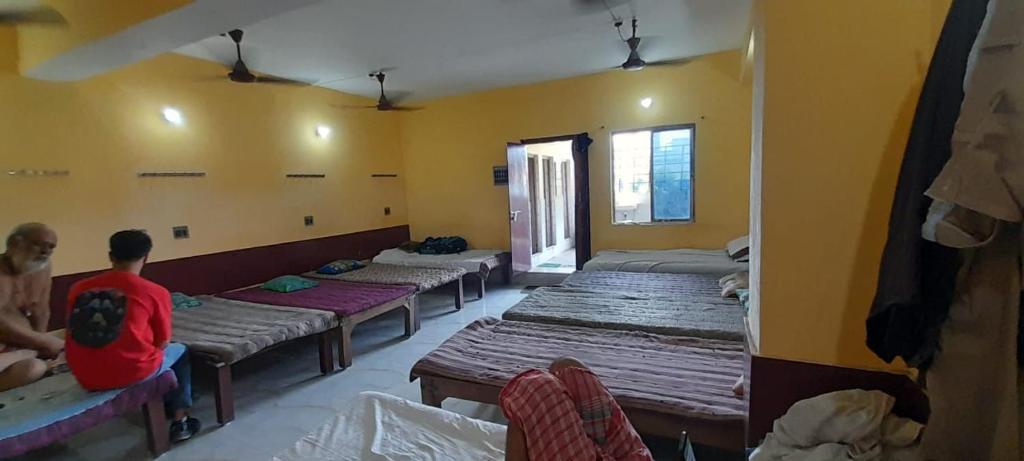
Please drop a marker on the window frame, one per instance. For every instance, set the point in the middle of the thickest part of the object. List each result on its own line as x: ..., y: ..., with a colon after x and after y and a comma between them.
x: 693, y: 174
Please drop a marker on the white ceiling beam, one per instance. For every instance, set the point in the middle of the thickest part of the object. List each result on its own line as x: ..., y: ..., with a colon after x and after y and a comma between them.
x: 188, y: 24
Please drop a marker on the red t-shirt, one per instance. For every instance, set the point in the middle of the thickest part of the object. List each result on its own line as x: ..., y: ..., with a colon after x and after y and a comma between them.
x: 133, y: 351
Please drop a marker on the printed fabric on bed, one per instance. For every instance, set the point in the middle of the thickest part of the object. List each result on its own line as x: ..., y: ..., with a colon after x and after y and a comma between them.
x: 442, y: 246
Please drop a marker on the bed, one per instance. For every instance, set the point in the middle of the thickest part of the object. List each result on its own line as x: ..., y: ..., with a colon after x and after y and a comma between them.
x: 384, y: 427
x: 478, y: 263
x: 222, y: 332
x: 56, y: 407
x: 423, y: 278
x: 353, y: 303
x: 655, y: 284
x: 703, y: 317
x: 664, y: 384
x: 679, y: 261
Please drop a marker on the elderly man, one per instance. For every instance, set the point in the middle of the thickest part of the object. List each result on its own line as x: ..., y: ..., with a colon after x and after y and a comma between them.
x: 25, y: 305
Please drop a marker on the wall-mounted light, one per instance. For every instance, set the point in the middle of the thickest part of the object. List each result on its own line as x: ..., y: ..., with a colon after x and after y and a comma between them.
x: 173, y: 116
x: 646, y: 103
x: 323, y: 131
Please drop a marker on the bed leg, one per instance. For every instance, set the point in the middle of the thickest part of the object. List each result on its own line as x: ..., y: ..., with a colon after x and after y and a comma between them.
x: 460, y: 295
x: 481, y: 289
x: 157, y: 437
x: 345, y: 345
x: 223, y: 395
x: 412, y: 317
x: 323, y: 340
x: 429, y: 394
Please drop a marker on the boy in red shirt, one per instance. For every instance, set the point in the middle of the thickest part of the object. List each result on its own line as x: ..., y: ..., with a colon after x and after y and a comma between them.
x: 119, y: 330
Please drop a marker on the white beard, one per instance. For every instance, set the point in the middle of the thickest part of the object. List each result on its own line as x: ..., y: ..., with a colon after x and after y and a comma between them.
x: 36, y: 266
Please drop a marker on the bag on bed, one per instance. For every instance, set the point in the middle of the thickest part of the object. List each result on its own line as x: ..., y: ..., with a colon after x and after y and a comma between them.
x: 443, y: 246
x: 288, y: 284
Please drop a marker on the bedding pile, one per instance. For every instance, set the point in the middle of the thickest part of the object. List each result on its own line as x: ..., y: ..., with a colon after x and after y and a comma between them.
x: 386, y: 428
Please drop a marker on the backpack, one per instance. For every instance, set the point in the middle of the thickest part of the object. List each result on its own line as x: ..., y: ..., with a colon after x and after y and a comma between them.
x: 442, y: 246
x: 97, y: 316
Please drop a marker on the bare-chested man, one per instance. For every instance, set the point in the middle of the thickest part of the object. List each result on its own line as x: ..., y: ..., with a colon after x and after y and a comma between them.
x: 25, y: 305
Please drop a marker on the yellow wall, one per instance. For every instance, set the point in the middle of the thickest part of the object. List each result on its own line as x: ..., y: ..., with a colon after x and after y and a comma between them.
x: 87, y: 21
x: 451, y: 147
x: 107, y: 129
x: 841, y: 84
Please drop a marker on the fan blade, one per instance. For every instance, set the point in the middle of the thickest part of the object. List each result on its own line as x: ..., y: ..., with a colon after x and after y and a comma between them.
x: 405, y: 108
x: 269, y: 79
x: 349, y: 107
x: 38, y: 15
x: 670, y: 62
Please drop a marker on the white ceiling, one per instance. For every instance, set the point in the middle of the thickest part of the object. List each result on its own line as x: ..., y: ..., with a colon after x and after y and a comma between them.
x: 446, y: 47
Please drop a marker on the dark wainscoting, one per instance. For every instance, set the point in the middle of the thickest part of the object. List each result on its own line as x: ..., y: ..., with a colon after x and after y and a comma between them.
x: 217, y: 272
x: 777, y: 384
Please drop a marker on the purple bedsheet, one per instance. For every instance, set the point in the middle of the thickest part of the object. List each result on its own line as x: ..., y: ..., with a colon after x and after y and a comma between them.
x: 131, y: 399
x: 342, y: 298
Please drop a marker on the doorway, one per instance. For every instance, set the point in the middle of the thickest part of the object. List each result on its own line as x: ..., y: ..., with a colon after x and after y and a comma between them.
x: 549, y: 204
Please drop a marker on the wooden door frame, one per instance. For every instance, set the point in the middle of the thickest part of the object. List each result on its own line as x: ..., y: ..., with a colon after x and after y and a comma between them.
x: 581, y: 180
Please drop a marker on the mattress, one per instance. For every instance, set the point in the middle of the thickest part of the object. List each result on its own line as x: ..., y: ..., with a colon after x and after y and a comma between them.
x: 699, y: 316
x: 387, y: 428
x: 342, y: 298
x: 665, y: 285
x: 423, y: 278
x: 473, y: 261
x: 230, y: 330
x: 678, y: 376
x: 52, y: 409
x: 680, y: 261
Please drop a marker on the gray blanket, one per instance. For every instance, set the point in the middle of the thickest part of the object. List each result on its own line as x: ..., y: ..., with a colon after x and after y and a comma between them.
x: 696, y: 316
x: 680, y: 286
x: 423, y: 278
x: 231, y: 330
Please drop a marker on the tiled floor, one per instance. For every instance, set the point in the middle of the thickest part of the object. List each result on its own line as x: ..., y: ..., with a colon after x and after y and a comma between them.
x: 280, y: 395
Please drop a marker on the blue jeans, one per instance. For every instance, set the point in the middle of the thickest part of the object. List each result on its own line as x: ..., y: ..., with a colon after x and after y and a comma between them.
x: 179, y: 398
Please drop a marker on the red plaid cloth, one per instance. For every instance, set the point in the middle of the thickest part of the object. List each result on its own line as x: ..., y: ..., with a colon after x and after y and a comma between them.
x: 570, y: 416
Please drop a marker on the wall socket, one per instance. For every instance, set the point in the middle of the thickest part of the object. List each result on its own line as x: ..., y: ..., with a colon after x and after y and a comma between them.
x: 308, y: 220
x: 180, y: 232
x: 387, y: 211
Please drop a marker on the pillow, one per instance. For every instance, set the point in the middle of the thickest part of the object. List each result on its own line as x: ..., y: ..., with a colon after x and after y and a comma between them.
x: 184, y: 301
x: 340, y: 267
x: 733, y: 282
x: 288, y: 284
x: 738, y: 248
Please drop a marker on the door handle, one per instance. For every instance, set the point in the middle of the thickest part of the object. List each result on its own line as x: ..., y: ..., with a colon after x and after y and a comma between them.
x: 514, y: 215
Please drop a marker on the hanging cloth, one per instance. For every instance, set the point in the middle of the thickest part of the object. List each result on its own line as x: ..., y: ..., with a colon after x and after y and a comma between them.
x: 917, y: 277
x: 975, y: 382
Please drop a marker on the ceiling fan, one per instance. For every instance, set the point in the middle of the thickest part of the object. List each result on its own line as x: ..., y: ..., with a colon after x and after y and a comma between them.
x: 14, y: 12
x: 241, y: 74
x: 383, y: 103
x: 634, y: 61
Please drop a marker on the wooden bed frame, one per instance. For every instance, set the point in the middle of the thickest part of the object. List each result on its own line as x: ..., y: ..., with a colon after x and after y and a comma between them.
x: 504, y: 265
x: 721, y: 434
x: 224, y: 397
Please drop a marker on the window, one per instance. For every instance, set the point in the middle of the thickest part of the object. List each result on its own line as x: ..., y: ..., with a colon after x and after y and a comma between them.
x: 652, y: 175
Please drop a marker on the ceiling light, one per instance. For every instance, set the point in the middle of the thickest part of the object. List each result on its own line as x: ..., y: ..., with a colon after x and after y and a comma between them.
x: 646, y: 103
x: 323, y: 131
x: 173, y: 116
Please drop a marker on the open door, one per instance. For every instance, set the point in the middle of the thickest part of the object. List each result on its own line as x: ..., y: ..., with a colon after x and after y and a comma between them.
x: 519, y: 209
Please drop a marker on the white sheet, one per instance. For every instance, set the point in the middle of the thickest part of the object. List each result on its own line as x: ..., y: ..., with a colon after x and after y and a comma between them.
x: 382, y: 427
x: 681, y: 261
x: 469, y: 260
